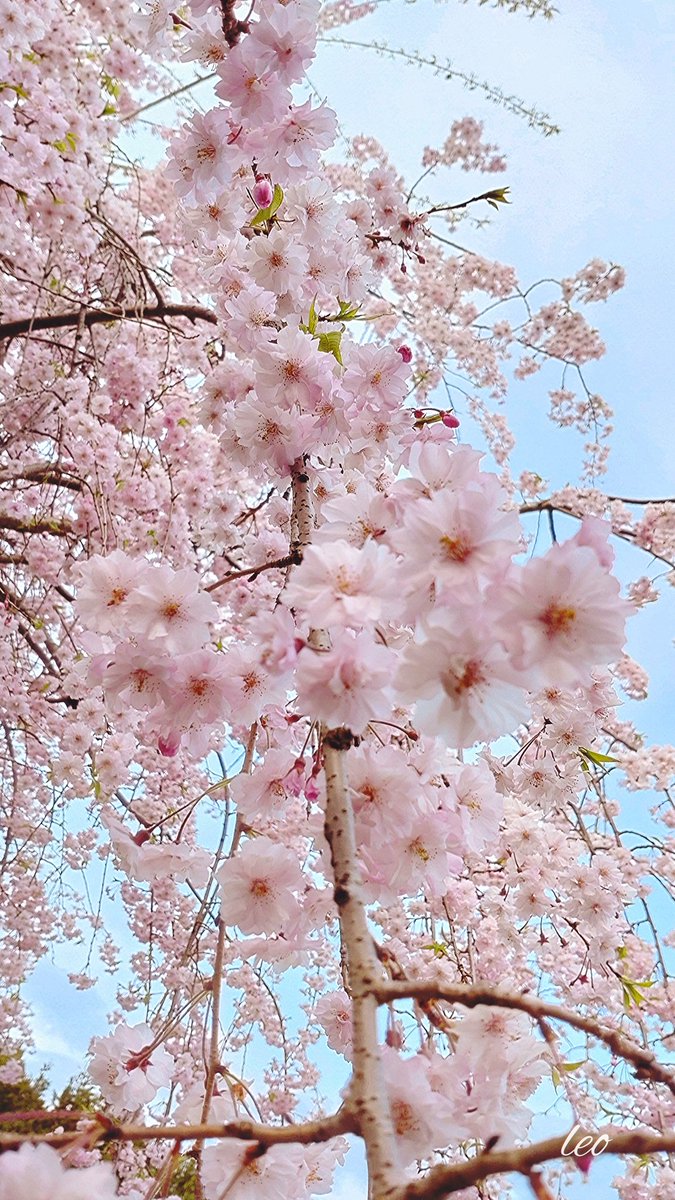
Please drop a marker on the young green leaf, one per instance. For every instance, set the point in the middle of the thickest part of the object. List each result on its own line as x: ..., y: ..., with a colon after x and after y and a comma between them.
x: 330, y: 343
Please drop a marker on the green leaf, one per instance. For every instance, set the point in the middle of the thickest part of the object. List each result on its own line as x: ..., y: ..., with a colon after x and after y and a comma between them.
x: 110, y: 85
x: 573, y: 1066
x: 348, y: 311
x: 313, y: 319
x: 330, y: 343
x: 438, y: 948
x: 20, y: 91
x: 595, y: 757
x: 496, y: 196
x: 631, y: 990
x: 266, y: 214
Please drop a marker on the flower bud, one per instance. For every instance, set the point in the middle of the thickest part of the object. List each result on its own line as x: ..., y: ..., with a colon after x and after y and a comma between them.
x: 450, y: 420
x: 169, y: 745
x: 263, y: 192
x: 406, y: 353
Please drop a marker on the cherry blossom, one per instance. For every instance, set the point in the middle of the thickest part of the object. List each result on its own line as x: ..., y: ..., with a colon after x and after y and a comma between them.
x: 343, y: 585
x: 348, y: 683
x: 260, y: 887
x: 127, y: 1067
x: 564, y: 614
x: 464, y: 685
x: 260, y: 603
x: 37, y: 1173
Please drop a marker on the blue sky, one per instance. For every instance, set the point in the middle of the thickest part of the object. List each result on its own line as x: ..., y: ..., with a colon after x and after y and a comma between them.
x: 603, y: 187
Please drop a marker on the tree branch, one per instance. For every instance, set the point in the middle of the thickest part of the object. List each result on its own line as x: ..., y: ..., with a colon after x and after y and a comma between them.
x: 104, y: 1130
x: 646, y: 1064
x: 99, y: 316
x: 250, y: 573
x: 444, y: 1180
x: 367, y: 1093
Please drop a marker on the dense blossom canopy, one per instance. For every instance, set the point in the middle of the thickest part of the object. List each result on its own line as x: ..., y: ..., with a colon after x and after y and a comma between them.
x: 269, y: 625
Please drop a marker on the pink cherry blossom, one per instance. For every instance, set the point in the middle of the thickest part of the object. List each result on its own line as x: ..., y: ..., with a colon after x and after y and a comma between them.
x: 168, y: 605
x: 37, y: 1173
x: 259, y: 888
x: 461, y: 682
x: 105, y: 584
x: 565, y: 615
x: 127, y: 1071
x: 347, y: 684
x: 342, y: 584
x: 333, y: 1011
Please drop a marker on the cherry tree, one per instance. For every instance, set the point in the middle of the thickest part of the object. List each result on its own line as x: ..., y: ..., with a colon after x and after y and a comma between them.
x: 333, y: 750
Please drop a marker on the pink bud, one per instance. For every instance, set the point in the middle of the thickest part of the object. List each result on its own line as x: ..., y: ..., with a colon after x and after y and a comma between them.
x: 263, y: 192
x: 406, y: 353
x: 170, y: 745
x: 394, y: 1038
x: 142, y: 837
x: 584, y: 1163
x: 450, y: 420
x: 312, y: 792
x: 418, y: 414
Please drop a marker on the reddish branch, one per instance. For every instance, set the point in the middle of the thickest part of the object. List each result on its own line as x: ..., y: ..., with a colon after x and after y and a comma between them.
x: 288, y: 560
x: 444, y: 1180
x: 103, y: 1130
x: 645, y: 1062
x: 548, y: 506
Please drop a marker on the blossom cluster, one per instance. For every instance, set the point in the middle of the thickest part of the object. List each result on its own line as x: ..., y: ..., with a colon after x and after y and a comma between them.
x: 247, y: 530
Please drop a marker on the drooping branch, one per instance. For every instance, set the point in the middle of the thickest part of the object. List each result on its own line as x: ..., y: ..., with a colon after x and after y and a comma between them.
x: 646, y: 1064
x: 549, y: 506
x: 43, y: 473
x: 251, y: 573
x: 38, y: 525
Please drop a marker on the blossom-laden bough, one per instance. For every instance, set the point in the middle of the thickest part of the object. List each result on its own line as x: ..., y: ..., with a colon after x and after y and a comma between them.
x: 265, y: 616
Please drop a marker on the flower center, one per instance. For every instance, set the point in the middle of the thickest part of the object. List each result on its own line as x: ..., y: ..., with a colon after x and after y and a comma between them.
x: 140, y: 678
x: 557, y: 619
x: 454, y: 682
x: 117, y: 596
x: 291, y: 371
x: 403, y: 1117
x: 457, y: 549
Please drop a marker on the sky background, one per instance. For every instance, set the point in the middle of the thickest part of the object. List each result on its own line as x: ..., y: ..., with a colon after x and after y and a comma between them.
x: 602, y: 188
